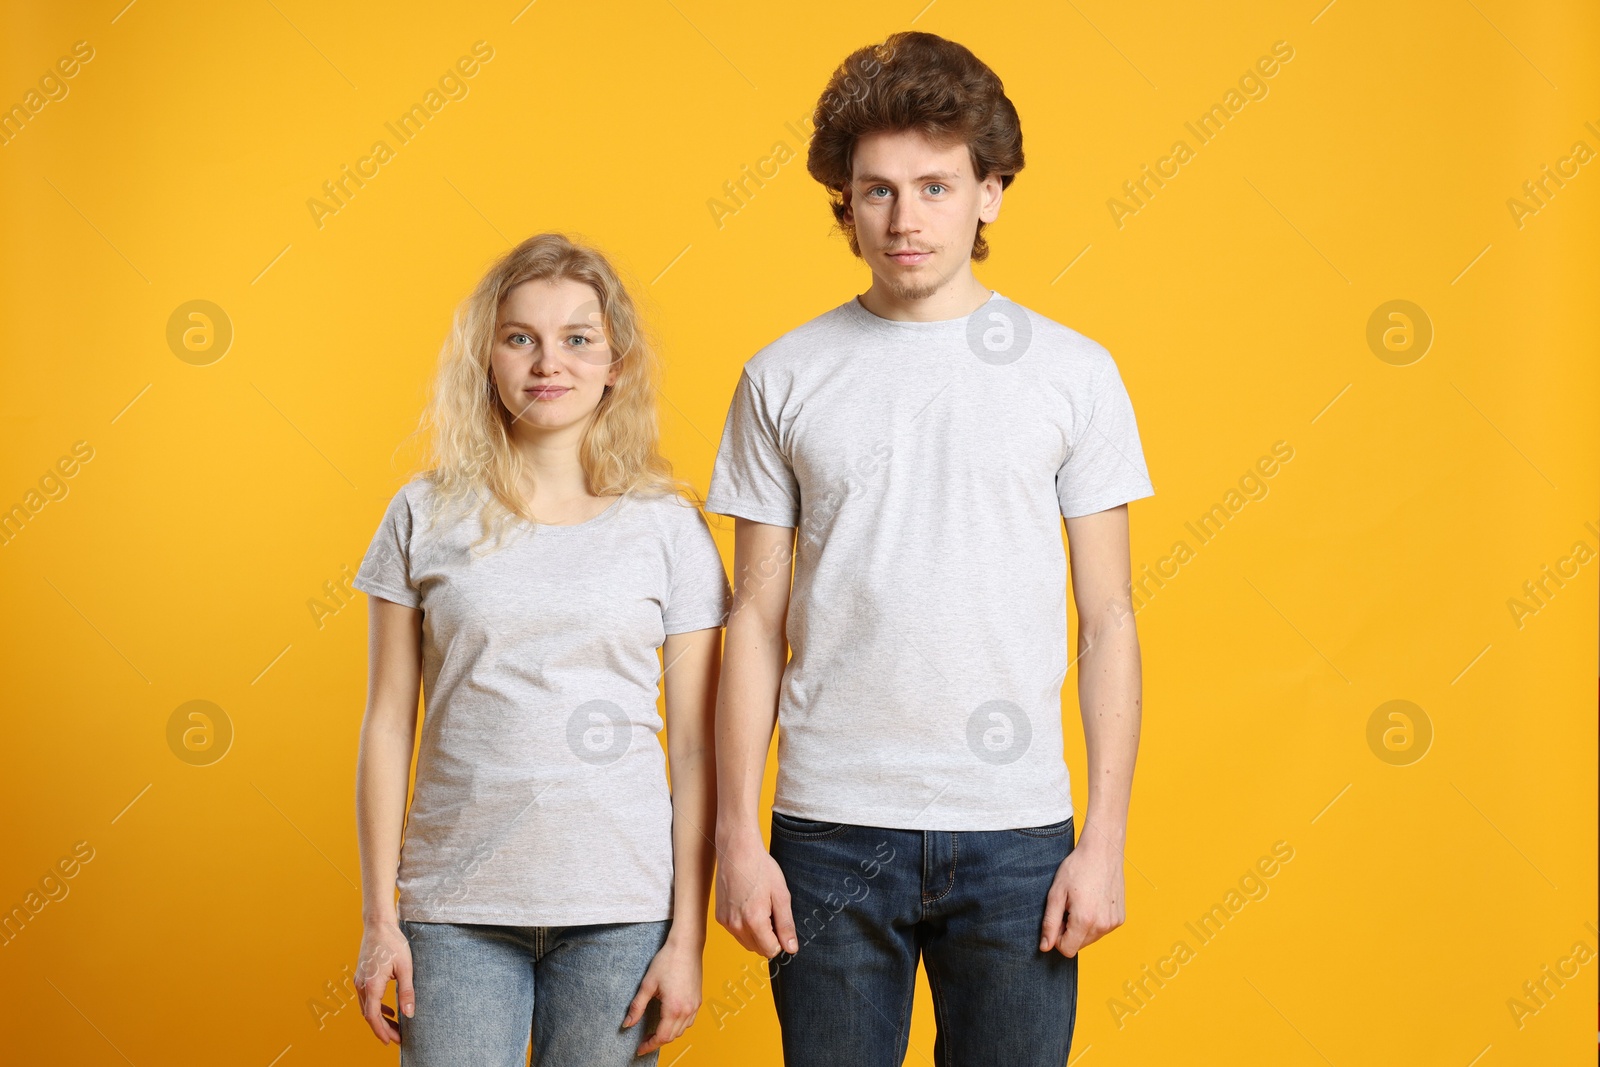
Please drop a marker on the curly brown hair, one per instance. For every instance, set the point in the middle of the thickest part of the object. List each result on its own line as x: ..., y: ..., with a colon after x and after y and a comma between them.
x: 914, y: 81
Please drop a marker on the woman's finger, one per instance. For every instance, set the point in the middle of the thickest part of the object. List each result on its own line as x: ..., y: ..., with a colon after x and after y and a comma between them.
x: 641, y: 999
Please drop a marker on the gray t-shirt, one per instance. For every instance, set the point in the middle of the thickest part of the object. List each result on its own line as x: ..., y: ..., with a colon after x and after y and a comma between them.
x: 927, y: 467
x: 541, y: 791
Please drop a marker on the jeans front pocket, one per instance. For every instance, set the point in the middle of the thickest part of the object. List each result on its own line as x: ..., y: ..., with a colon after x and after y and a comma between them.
x: 1055, y: 829
x: 798, y: 829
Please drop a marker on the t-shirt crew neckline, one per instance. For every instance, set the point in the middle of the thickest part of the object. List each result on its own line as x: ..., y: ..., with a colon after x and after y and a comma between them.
x: 860, y: 312
x: 586, y: 524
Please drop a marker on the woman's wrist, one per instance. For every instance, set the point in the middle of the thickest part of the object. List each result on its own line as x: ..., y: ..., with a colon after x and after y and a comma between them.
x: 687, y: 932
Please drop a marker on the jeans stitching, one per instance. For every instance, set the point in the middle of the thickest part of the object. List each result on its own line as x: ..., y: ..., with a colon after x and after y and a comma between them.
x: 955, y: 847
x: 1072, y: 1018
x: 803, y: 835
x: 1066, y: 827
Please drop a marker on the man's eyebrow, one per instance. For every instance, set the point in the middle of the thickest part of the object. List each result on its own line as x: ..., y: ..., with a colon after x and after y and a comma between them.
x: 940, y: 175
x: 568, y: 326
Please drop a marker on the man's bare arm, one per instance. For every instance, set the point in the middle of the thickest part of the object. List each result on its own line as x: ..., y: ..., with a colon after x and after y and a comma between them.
x: 1089, y: 886
x: 752, y: 898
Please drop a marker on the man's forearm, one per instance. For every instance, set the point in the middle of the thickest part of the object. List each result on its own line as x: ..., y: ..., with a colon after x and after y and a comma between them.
x: 747, y: 711
x: 1110, y: 695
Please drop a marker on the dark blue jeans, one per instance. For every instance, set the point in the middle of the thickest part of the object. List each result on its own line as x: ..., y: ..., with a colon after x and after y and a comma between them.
x: 868, y: 902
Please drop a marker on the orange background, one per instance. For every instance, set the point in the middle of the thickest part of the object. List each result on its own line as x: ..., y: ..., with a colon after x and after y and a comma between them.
x: 180, y: 561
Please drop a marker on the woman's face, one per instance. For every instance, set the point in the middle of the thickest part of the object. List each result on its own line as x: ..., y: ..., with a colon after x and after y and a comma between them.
x: 551, y: 358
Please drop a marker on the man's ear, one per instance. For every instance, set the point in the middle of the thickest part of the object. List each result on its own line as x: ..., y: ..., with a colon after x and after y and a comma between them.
x: 994, y: 192
x: 849, y: 212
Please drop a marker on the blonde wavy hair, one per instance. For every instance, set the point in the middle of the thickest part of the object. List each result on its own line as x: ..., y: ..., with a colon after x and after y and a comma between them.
x: 470, y: 458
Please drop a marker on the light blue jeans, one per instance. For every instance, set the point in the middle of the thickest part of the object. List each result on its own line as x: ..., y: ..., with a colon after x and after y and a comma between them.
x: 479, y: 986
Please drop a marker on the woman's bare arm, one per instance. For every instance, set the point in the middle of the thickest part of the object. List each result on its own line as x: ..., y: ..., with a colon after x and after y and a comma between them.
x: 383, y: 773
x: 691, y: 662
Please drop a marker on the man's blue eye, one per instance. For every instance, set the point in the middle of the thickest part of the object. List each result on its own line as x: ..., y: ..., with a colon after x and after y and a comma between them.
x: 936, y: 185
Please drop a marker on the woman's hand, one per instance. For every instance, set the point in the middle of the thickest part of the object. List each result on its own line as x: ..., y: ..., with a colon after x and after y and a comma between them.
x: 674, y: 977
x: 385, y: 955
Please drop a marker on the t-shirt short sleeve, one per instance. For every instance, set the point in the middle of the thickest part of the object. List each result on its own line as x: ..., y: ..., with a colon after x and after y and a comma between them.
x: 752, y: 477
x: 386, y: 569
x: 1106, y: 465
x: 698, y: 596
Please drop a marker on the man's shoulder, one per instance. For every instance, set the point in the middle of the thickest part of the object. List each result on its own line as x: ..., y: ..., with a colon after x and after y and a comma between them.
x: 1060, y: 347
x: 800, y: 345
x: 1071, y: 360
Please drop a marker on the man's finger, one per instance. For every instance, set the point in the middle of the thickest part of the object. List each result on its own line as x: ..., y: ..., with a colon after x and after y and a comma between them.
x: 1072, y: 938
x: 783, y: 920
x: 1051, y: 927
x: 759, y: 936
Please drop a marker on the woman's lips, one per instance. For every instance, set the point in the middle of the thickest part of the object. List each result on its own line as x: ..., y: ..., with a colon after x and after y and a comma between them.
x: 547, y: 392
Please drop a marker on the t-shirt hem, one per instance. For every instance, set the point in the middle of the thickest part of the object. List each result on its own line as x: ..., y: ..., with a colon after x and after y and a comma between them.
x: 705, y: 622
x: 409, y: 598
x: 888, y: 819
x: 530, y: 917
x: 717, y: 506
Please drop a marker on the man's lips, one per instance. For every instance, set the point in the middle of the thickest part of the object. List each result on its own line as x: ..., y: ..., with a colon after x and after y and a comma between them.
x: 909, y: 256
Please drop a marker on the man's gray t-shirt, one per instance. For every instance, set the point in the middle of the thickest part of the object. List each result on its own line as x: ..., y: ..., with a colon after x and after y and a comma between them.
x: 541, y: 789
x: 927, y: 467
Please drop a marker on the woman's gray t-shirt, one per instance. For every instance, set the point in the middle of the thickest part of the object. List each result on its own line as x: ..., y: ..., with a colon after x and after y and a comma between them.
x: 541, y: 790
x: 926, y: 467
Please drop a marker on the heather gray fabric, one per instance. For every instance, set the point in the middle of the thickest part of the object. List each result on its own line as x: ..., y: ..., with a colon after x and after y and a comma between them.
x: 541, y: 794
x: 927, y: 467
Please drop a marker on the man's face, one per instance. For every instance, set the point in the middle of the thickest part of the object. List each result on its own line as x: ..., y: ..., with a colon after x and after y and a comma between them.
x: 916, y: 208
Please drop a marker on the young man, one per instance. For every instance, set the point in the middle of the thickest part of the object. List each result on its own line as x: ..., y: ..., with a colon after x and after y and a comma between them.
x: 913, y: 452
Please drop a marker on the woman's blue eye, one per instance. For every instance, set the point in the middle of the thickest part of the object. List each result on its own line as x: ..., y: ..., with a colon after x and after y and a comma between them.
x: 513, y: 337
x: 580, y: 337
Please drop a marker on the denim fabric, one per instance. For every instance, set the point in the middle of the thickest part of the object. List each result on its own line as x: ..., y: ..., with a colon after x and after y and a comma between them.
x: 478, y: 986
x: 868, y: 902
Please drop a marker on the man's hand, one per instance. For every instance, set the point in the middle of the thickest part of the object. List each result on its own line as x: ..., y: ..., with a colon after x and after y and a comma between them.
x: 1088, y: 887
x: 753, y: 898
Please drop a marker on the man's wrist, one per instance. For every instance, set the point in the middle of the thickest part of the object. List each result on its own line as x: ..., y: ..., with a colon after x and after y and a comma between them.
x: 735, y: 828
x: 1104, y: 831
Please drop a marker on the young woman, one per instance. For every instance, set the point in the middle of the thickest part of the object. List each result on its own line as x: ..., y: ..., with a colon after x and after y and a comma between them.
x: 527, y: 581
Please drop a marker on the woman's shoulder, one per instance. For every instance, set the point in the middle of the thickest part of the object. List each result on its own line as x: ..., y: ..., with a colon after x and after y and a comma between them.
x: 429, y: 501
x: 417, y: 488
x: 674, y: 512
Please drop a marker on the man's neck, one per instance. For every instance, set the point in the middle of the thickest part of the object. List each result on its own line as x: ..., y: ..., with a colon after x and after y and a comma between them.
x: 959, y: 297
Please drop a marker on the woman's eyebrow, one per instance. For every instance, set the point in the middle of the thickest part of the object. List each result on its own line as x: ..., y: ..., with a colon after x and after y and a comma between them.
x: 568, y: 326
